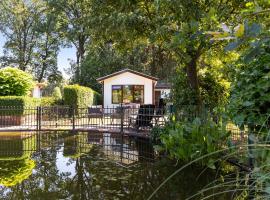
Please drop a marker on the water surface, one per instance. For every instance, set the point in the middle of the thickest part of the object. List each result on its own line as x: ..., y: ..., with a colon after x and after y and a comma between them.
x: 61, y: 165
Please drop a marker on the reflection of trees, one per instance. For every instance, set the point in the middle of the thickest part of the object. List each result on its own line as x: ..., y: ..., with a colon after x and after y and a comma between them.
x: 97, y: 178
x: 13, y: 172
x: 17, y: 148
x: 76, y: 145
x: 15, y: 161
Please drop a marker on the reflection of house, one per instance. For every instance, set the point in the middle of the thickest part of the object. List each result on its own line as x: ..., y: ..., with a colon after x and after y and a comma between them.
x: 128, y: 86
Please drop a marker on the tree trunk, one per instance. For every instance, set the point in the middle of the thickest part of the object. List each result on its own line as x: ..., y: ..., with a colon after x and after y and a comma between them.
x: 80, y: 56
x: 193, y: 81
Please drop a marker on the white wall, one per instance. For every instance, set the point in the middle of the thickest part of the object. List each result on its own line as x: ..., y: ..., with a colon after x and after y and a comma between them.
x: 36, y: 92
x: 127, y: 78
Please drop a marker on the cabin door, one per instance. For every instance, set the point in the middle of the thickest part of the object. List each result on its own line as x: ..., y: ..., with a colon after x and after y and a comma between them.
x: 157, y: 97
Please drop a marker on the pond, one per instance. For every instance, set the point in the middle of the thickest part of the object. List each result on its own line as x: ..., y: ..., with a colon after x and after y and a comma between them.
x: 85, y: 165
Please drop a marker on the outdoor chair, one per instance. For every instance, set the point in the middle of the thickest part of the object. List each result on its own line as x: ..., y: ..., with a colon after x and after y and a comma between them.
x: 143, y: 118
x: 118, y: 112
x: 95, y: 113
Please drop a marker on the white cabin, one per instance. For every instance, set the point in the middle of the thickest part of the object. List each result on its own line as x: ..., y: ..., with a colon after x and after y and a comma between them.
x: 128, y: 87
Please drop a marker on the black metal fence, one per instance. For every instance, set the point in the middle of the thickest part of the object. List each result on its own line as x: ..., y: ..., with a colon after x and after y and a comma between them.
x: 96, y: 118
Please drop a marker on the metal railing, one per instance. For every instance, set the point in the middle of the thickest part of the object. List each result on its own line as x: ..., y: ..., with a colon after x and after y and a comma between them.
x: 91, y: 118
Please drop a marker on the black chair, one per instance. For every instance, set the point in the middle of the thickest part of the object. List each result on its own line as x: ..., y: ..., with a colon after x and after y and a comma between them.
x: 161, y: 107
x: 144, y: 117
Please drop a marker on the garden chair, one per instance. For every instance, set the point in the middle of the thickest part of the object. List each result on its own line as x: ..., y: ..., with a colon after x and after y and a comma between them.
x: 95, y: 113
x: 143, y: 118
x: 118, y: 112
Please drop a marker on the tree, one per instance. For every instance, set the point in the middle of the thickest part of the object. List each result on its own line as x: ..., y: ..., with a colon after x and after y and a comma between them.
x: 32, y: 38
x: 177, y: 28
x: 47, y: 46
x: 74, y: 14
x: 17, y: 23
x: 15, y: 82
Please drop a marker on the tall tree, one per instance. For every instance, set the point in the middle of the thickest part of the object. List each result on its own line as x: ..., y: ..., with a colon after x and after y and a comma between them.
x: 47, y: 46
x: 74, y: 14
x: 17, y: 23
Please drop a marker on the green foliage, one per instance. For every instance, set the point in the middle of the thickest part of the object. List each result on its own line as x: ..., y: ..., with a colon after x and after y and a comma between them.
x: 250, y: 96
x: 57, y: 93
x: 214, y: 91
x: 175, y: 35
x: 106, y: 59
x: 76, y: 146
x: 31, y: 37
x: 98, y: 98
x: 14, y: 82
x: 20, y: 105
x: 187, y: 141
x: 14, y: 172
x: 78, y: 96
x: 50, y: 101
x: 17, y: 148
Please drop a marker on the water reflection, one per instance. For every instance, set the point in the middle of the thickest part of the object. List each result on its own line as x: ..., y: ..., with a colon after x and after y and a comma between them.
x: 59, y: 165
x: 16, y: 164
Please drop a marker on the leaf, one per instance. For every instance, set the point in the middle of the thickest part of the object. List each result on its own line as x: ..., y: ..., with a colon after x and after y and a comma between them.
x: 232, y: 46
x: 240, y: 30
x: 253, y: 30
x: 211, y: 164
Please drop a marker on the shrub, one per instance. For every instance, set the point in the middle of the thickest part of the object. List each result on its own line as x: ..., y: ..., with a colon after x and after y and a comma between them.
x: 98, y: 100
x: 188, y: 141
x: 18, y: 105
x: 15, y: 82
x: 49, y: 101
x: 213, y: 91
x: 79, y: 97
x: 57, y: 93
x: 250, y: 100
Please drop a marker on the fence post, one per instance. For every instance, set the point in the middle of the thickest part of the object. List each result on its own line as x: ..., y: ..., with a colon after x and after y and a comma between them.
x: 73, y: 118
x: 122, y: 118
x: 39, y: 112
x: 251, y: 161
x: 37, y: 117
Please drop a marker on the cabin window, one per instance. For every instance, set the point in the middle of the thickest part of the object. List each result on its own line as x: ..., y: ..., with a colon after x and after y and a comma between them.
x: 127, y: 94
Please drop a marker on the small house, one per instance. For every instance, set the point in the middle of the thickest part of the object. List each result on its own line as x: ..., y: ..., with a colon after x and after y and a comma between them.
x: 129, y: 87
x: 37, y: 90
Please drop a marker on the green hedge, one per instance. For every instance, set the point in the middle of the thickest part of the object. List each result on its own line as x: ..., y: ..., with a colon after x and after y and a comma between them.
x: 50, y: 101
x: 79, y: 97
x: 18, y: 105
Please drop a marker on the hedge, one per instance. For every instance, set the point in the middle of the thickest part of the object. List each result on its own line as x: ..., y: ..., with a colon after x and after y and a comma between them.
x: 79, y: 97
x: 50, y: 101
x: 18, y: 105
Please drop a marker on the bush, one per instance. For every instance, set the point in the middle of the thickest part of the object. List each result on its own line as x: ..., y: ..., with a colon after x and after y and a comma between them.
x: 18, y: 105
x: 15, y: 82
x: 214, y: 91
x: 250, y: 100
x: 57, y: 93
x: 79, y: 97
x: 98, y: 100
x: 188, y: 141
x: 50, y: 101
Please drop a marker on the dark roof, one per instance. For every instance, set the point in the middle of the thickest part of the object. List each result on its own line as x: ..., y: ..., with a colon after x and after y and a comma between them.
x: 127, y: 70
x: 163, y: 85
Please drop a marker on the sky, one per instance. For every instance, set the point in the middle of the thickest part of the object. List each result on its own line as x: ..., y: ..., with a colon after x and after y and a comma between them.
x: 63, y: 57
